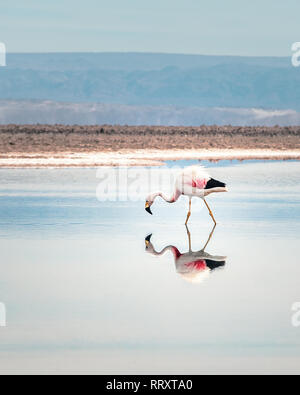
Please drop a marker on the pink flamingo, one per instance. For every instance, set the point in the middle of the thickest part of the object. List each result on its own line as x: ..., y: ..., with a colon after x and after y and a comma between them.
x: 193, y: 266
x: 193, y: 181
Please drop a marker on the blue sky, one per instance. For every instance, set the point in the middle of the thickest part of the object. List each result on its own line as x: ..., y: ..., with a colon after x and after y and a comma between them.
x: 231, y: 27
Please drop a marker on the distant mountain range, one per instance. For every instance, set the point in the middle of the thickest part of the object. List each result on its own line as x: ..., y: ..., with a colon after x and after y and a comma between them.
x: 32, y: 112
x: 149, y: 88
x: 130, y: 61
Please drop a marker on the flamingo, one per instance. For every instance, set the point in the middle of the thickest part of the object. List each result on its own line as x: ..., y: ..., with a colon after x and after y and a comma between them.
x: 193, y: 181
x: 192, y: 266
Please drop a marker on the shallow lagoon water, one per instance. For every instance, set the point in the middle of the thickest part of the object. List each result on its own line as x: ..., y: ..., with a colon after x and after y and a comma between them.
x: 83, y: 295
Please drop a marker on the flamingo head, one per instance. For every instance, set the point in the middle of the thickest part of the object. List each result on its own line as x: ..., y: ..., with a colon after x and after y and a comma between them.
x: 148, y: 205
x: 148, y: 244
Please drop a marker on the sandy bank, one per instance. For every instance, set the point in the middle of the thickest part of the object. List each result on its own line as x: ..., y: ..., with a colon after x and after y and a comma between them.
x: 137, y: 157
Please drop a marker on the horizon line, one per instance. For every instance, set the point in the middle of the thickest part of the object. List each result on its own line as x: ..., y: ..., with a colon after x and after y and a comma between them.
x: 146, y: 53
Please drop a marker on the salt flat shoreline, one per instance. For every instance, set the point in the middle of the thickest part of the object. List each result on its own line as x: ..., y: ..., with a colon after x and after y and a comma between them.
x: 142, y: 157
x: 117, y: 145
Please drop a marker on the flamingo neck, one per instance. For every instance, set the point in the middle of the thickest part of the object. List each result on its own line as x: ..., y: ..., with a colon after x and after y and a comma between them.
x: 176, y: 253
x: 169, y: 199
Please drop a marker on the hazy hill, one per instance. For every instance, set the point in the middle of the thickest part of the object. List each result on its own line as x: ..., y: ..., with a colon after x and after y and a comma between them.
x: 32, y: 112
x: 132, y: 61
x: 222, y: 85
x: 149, y: 88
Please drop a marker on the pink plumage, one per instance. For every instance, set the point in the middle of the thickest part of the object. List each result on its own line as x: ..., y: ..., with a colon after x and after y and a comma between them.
x: 193, y: 181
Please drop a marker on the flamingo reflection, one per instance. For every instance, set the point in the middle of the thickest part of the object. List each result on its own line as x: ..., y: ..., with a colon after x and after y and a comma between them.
x: 192, y: 266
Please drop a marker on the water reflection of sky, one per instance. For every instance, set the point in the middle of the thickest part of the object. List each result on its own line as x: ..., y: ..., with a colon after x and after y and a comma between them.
x: 75, y: 276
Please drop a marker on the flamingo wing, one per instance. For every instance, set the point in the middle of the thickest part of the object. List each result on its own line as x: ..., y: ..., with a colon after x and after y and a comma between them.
x: 191, y: 178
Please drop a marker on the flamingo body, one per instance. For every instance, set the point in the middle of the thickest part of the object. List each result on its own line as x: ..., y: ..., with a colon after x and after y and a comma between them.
x: 193, y: 181
x: 193, y: 266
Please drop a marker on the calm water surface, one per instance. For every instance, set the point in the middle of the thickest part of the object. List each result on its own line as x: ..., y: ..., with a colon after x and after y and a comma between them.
x: 84, y: 294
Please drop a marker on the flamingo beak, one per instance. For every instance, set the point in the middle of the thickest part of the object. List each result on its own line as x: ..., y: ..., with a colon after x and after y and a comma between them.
x: 147, y: 240
x: 147, y: 208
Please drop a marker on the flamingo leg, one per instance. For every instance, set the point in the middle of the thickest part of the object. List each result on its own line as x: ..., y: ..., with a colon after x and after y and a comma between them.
x: 189, y: 213
x: 209, y: 238
x: 189, y: 237
x: 210, y: 212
